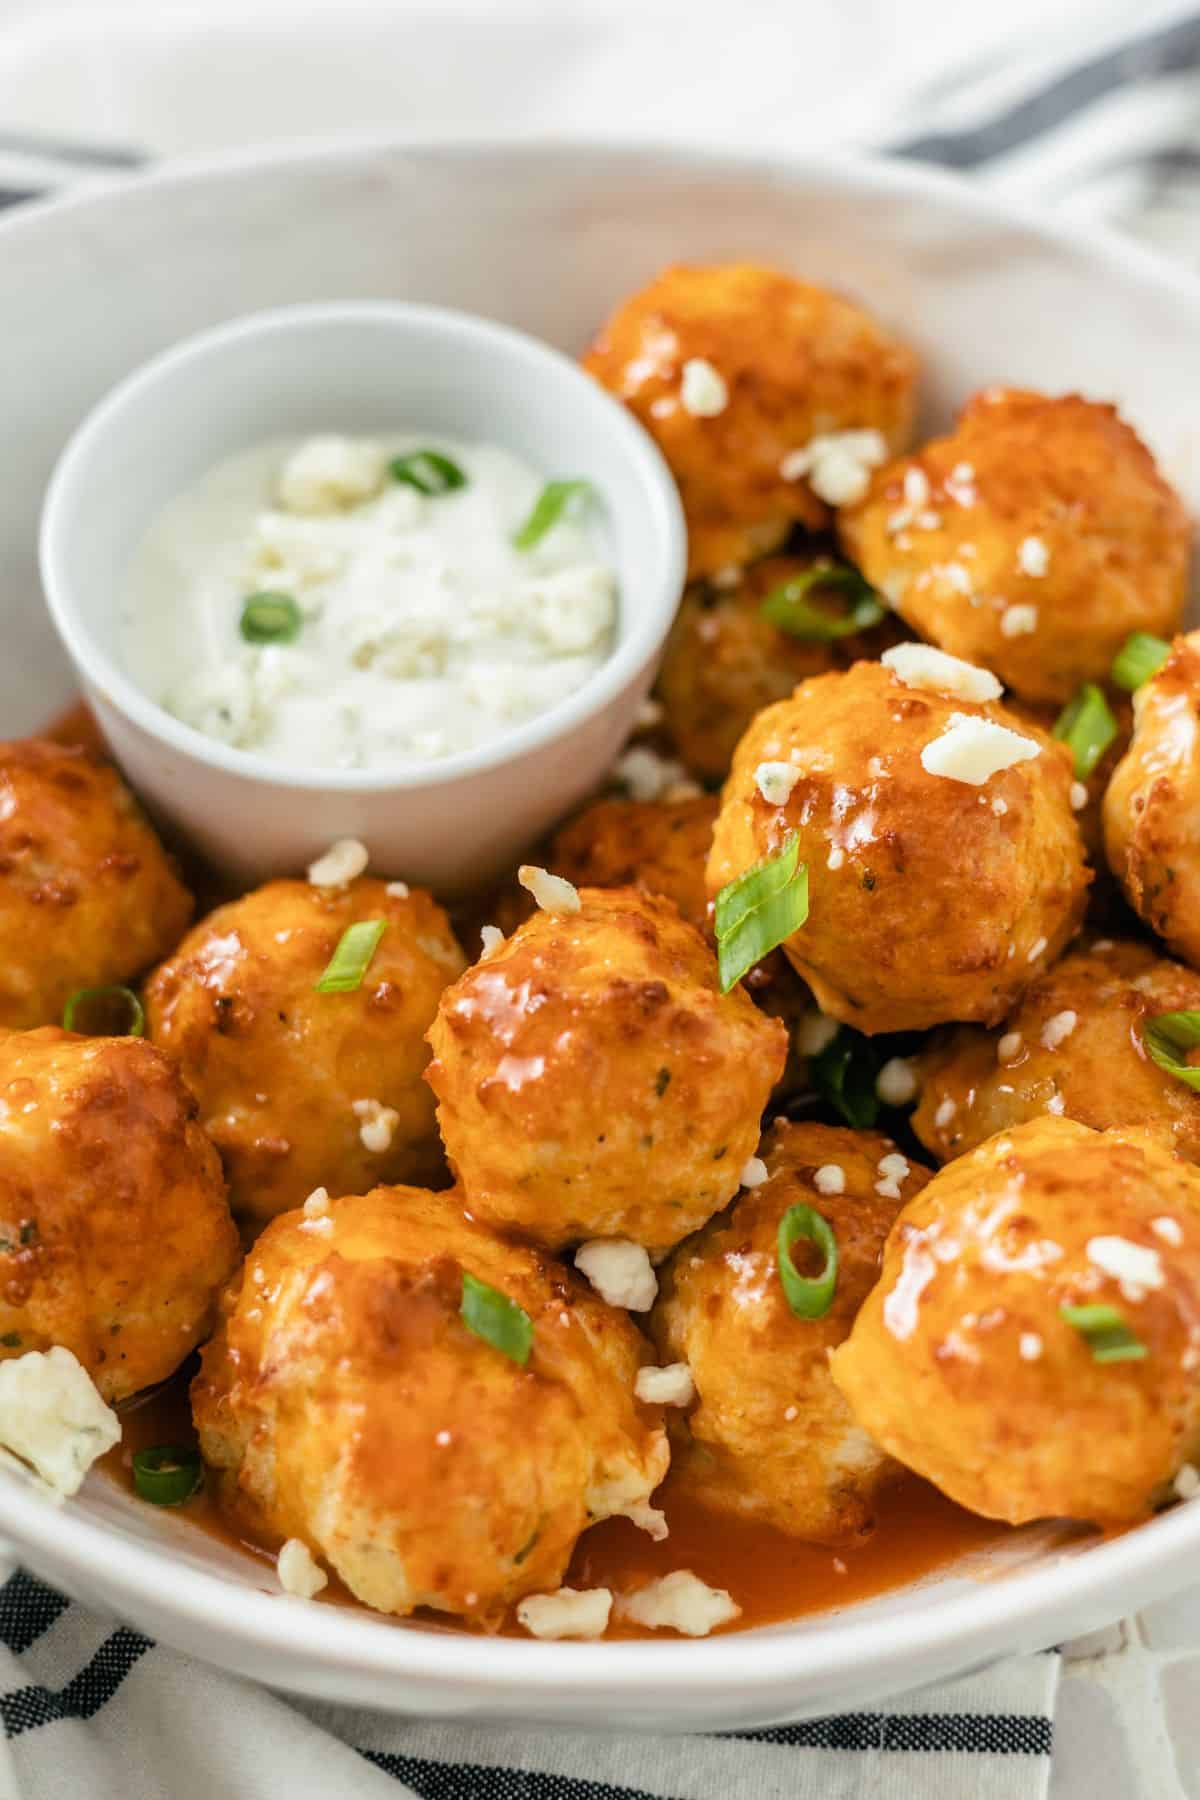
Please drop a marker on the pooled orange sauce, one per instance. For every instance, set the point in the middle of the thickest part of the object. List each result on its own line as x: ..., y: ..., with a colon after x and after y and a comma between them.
x: 771, y: 1576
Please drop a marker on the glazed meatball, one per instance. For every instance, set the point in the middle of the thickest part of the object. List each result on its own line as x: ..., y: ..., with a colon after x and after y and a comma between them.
x: 594, y: 1082
x: 1152, y: 804
x: 734, y: 367
x: 770, y: 1437
x: 88, y: 896
x: 659, y: 845
x: 346, y: 1402
x: 300, y: 1089
x: 724, y: 662
x: 1033, y: 540
x: 962, y: 1365
x: 932, y: 896
x: 1073, y: 1047
x: 115, y: 1234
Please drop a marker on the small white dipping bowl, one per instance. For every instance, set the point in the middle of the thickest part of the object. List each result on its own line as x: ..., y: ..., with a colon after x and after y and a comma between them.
x: 357, y: 367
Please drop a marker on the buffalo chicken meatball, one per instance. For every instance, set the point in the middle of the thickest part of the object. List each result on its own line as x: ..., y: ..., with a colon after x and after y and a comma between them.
x: 115, y: 1234
x: 1033, y: 539
x: 770, y: 1437
x: 88, y: 896
x: 659, y: 845
x: 945, y: 868
x: 1152, y: 804
x: 300, y: 1089
x: 725, y: 661
x: 1074, y: 1047
x: 752, y: 383
x: 348, y: 1401
x: 592, y: 1079
x: 1033, y: 1344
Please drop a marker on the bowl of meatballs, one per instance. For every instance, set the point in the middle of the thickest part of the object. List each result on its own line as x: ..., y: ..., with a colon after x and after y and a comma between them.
x: 744, y: 1261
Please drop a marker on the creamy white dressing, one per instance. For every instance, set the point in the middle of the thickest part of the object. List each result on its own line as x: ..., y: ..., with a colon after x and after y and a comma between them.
x: 424, y: 630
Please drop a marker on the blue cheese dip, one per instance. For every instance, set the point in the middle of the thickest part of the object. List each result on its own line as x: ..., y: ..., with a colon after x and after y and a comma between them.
x: 364, y: 603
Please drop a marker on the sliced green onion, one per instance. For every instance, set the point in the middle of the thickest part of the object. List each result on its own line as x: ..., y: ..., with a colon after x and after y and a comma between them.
x: 809, y: 1296
x: 789, y: 607
x: 548, y: 509
x: 352, y: 958
x: 1105, y: 1331
x: 428, y: 471
x: 105, y: 1012
x: 844, y: 1073
x: 496, y: 1319
x: 167, y: 1475
x: 759, y: 909
x: 270, y: 619
x: 1167, y: 1037
x: 1086, y: 724
x: 1140, y: 656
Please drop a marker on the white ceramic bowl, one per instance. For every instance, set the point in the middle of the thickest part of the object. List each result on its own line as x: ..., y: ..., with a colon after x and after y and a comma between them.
x: 358, y: 367
x: 548, y: 238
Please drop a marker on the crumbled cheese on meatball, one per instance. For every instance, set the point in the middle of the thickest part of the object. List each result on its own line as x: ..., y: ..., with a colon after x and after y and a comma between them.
x: 921, y: 666
x: 916, y: 487
x: 728, y: 576
x: 490, y: 939
x: 754, y: 1172
x: 703, y: 392
x: 945, y: 1114
x: 838, y: 464
x: 1030, y: 1346
x: 679, y: 1602
x: 1187, y: 1482
x: 646, y: 776
x: 330, y: 474
x: 775, y: 781
x: 399, y: 890
x: 896, y: 1083
x: 830, y: 1178
x: 1168, y: 1229
x: 1000, y: 807
x: 1010, y: 1047
x: 671, y: 1385
x: 972, y: 750
x: 570, y: 1613
x: 893, y: 1169
x: 553, y: 893
x: 620, y: 1272
x: 377, y: 1124
x: 814, y: 1032
x: 52, y: 1417
x: 1033, y: 558
x: 341, y: 864
x: 1079, y: 796
x: 298, y: 1571
x: 1036, y: 949
x: 1018, y: 621
x: 1136, y: 1268
x: 317, y: 1204
x: 1058, y: 1029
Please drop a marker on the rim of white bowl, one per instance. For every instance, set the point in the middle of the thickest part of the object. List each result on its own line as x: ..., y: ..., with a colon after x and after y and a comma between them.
x: 839, y: 1643
x: 648, y: 625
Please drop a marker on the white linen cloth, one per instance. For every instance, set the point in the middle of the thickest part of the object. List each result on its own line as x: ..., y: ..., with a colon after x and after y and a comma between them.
x: 1078, y: 103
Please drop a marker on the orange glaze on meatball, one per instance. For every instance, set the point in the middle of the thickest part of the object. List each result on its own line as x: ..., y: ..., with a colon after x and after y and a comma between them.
x: 1073, y: 1047
x: 1152, y: 805
x: 930, y: 898
x: 593, y: 1081
x: 300, y: 1089
x: 88, y: 897
x: 1032, y: 540
x: 770, y: 1437
x: 345, y: 1402
x: 961, y: 1363
x: 115, y: 1233
x: 659, y: 845
x: 796, y: 362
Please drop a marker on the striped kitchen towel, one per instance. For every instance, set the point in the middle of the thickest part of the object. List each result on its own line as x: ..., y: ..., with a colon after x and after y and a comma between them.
x: 95, y: 1711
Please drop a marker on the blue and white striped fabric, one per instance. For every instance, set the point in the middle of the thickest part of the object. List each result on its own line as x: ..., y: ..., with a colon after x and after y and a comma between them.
x: 1092, y: 111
